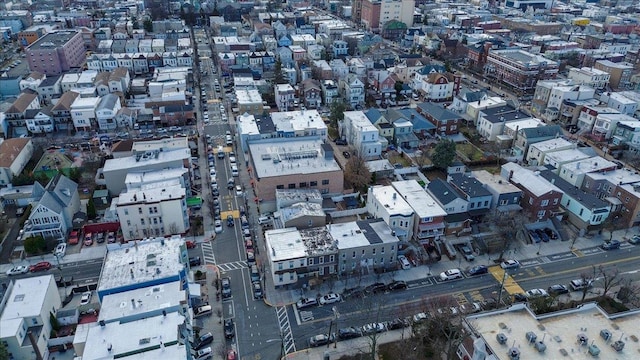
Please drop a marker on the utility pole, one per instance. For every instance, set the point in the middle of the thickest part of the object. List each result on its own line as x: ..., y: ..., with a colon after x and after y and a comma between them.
x: 336, y: 316
x: 504, y: 278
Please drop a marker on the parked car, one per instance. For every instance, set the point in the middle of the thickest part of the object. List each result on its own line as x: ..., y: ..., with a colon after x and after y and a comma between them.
x: 100, y: 237
x: 190, y: 244
x: 61, y: 250
x: 203, y: 340
x: 467, y: 253
x: 397, y: 324
x: 111, y: 237
x: 257, y: 290
x: 404, y: 263
x: 322, y: 339
x: 86, y: 298
x: 218, y: 226
x: 195, y: 261
x: 510, y: 264
x: 372, y: 328
x: 478, y: 270
x: 88, y: 239
x: 41, y: 266
x: 398, y: 285
x: 451, y: 274
x: 580, y: 284
x: 341, y: 142
x: 611, y: 245
x: 232, y: 355
x: 376, y: 288
x: 73, y: 238
x: 419, y: 317
x: 346, y: 154
x: 557, y: 289
x: 330, y: 299
x: 18, y: 270
x: 635, y: 240
x: 349, y: 333
x: 306, y: 302
x: 520, y: 297
x: 535, y: 293
x: 205, y: 353
x: 226, y: 287
x: 229, y: 331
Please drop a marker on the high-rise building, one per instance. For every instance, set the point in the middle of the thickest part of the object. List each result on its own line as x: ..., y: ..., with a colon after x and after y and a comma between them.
x: 56, y: 52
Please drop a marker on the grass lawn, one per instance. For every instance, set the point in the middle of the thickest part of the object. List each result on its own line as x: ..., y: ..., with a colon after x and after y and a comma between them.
x: 470, y: 151
x: 395, y: 158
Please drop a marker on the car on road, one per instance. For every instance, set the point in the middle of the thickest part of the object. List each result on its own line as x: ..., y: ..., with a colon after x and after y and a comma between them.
x: 306, y: 302
x: 478, y: 270
x: 510, y: 264
x: 226, y: 287
x: 558, y: 289
x: 230, y: 221
x: 419, y: 317
x: 86, y: 298
x: 330, y: 299
x: 322, y: 339
x: 238, y: 190
x: 205, y: 353
x: 635, y: 240
x: 611, y: 245
x: 229, y: 329
x: 520, y: 297
x: 61, y: 250
x: 218, y: 226
x: 451, y: 274
x: 232, y: 355
x: 536, y: 293
x: 41, y: 266
x: 349, y: 333
x: 398, y: 285
x: 376, y: 288
x: 73, y: 238
x: 397, y: 323
x: 18, y: 270
x: 195, y: 261
x: 257, y: 290
x: 372, y: 328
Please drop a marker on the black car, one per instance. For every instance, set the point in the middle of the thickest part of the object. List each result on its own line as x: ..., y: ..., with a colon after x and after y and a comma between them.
x: 229, y: 332
x: 375, y: 288
x: 203, y: 340
x: 520, y: 297
x: 349, y: 333
x: 226, y: 287
x: 341, y: 142
x: 397, y: 324
x: 478, y: 270
x: 230, y: 221
x: 398, y: 285
x: 195, y: 261
x: 611, y: 245
x: 558, y: 289
x: 355, y: 293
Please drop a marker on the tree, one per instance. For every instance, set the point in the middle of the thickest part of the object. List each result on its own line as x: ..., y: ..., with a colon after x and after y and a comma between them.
x: 356, y: 172
x: 4, y: 353
x: 442, y: 330
x: 444, y: 154
x: 505, y: 229
x: 421, y: 158
x: 611, y: 224
x: 35, y: 244
x: 609, y: 279
x: 278, y: 74
x: 336, y: 113
x: 91, y: 209
x: 587, y: 279
x: 134, y: 21
x: 75, y: 174
x: 398, y: 87
x: 148, y: 25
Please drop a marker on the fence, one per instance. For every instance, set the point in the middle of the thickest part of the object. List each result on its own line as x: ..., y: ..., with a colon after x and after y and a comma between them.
x: 350, y: 212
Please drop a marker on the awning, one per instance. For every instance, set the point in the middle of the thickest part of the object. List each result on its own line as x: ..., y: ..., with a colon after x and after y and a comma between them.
x: 194, y: 201
x: 427, y: 227
x: 613, y: 200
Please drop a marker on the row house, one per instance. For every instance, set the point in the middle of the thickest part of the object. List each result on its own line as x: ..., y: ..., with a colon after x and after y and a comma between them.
x: 106, y: 112
x: 40, y: 121
x: 621, y: 189
x: 322, y: 70
x: 32, y: 81
x: 311, y: 93
x: 384, y: 202
x: 302, y: 40
x: 49, y: 88
x: 330, y: 91
x: 519, y: 68
x: 340, y: 68
x: 478, y: 198
x: 83, y: 113
x: 315, y: 52
x: 505, y: 196
x: 446, y: 122
x: 352, y: 90
x: 627, y: 132
x: 560, y: 94
x: 61, y: 111
x: 101, y: 84
x: 531, y: 135
x: 174, y: 115
x: 606, y: 124
x: 406, y: 68
x: 574, y: 172
x: 540, y: 198
x: 589, y: 76
x: 402, y: 127
x: 429, y: 216
x: 457, y: 221
x: 625, y: 102
x: 384, y: 82
x: 361, y: 134
x: 15, y: 115
x: 139, y: 63
x: 285, y: 96
x: 589, y: 114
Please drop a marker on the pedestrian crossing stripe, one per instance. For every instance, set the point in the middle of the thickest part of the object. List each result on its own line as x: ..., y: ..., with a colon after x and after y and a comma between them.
x: 510, y: 285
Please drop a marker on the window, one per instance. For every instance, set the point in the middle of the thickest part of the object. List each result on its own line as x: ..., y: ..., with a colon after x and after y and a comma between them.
x: 280, y: 187
x: 541, y: 213
x: 353, y: 255
x: 321, y: 259
x: 544, y: 203
x: 141, y: 221
x: 313, y: 183
x: 373, y: 251
x: 332, y: 258
x: 555, y: 201
x: 382, y: 250
x: 302, y: 185
x: 311, y: 261
x: 126, y: 211
x: 325, y: 182
x: 292, y: 186
x: 139, y: 210
x: 279, y: 266
x: 290, y: 264
x: 581, y: 212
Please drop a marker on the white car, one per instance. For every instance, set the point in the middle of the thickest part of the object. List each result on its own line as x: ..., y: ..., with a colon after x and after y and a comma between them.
x: 451, y: 274
x: 60, y: 250
x: 22, y: 269
x: 330, y: 299
x: 218, y: 226
x: 535, y: 293
x: 212, y: 173
x: 510, y: 264
x: 238, y: 190
x: 86, y: 298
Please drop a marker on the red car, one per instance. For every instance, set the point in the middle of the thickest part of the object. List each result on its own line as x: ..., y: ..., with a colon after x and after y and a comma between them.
x: 73, y: 238
x: 41, y: 266
x: 232, y: 355
x: 191, y: 244
x: 88, y: 239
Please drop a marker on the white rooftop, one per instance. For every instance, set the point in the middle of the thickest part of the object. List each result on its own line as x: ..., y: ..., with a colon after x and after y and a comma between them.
x: 165, y: 144
x: 138, y: 262
x: 152, y: 299
x: 620, y: 176
x: 85, y: 103
x: 350, y: 235
x: 564, y: 156
x: 301, y: 209
x: 487, y: 102
x: 518, y: 125
x: 248, y: 96
x: 379, y: 165
x: 592, y: 164
x: 247, y: 125
x: 309, y: 195
x: 152, y: 193
x: 290, y: 156
x: 391, y: 200
x: 284, y: 88
x: 158, y: 157
x: 136, y: 179
x: 419, y: 200
x: 24, y: 301
x: 291, y: 243
x: 136, y: 338
x: 531, y: 181
x: 558, y: 331
x: 299, y: 121
x: 551, y: 145
x: 495, y: 181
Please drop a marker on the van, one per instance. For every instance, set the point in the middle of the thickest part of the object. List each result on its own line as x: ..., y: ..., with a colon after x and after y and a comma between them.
x: 234, y: 170
x: 203, y: 310
x: 229, y: 140
x: 262, y: 220
x: 255, y: 275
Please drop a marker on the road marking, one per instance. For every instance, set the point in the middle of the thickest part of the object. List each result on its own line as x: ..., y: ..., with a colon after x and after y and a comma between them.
x: 476, y: 295
x: 288, y: 343
x: 577, y: 253
x: 236, y: 265
x: 460, y: 298
x: 510, y: 285
x: 207, y: 253
x: 306, y: 316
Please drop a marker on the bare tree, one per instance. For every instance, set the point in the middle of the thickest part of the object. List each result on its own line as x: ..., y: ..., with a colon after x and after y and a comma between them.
x: 356, y: 172
x: 442, y: 329
x: 422, y: 159
x: 609, y: 279
x: 586, y: 279
x: 506, y: 227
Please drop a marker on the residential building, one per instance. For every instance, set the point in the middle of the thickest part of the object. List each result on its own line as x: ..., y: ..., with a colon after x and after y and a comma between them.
x: 62, y: 110
x: 428, y: 223
x: 560, y: 94
x: 249, y: 101
x: 557, y: 159
x: 32, y: 81
x: 445, y: 121
x: 299, y: 123
x: 285, y: 96
x: 473, y: 191
x: 625, y: 102
x: 491, y: 122
x: 56, y: 52
x: 384, y: 202
x: 436, y: 86
x: 627, y: 132
x: 475, y: 105
x: 457, y: 221
x: 119, y: 80
x: 540, y: 198
x: 300, y: 215
x: 83, y: 113
x: 16, y: 113
x: 40, y: 121
x: 15, y: 153
x: 156, y: 209
x: 294, y: 163
x: 538, y: 151
x: 376, y: 13
x: 49, y: 88
x: 329, y: 91
x: 620, y: 73
x: 505, y: 196
x: 361, y: 134
x: 589, y: 76
x: 310, y: 93
x: 352, y: 90
x: 339, y: 48
x: 106, y: 112
x: 27, y: 306
x: 519, y: 68
x: 584, y: 210
x: 621, y: 189
x: 606, y: 124
x: 527, y: 136
x: 574, y: 172
x: 52, y: 216
x: 589, y: 114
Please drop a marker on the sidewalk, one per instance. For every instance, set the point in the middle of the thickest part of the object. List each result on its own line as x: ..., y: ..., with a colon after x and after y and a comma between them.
x: 359, y: 345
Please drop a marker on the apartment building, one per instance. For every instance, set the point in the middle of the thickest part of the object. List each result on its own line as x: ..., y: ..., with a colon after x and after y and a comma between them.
x: 384, y: 202
x: 505, y: 196
x: 56, y: 52
x: 352, y: 90
x: 249, y: 101
x: 428, y: 223
x: 519, y: 68
x: 540, y: 198
x: 589, y: 76
x: 538, y: 151
x: 620, y: 73
x: 361, y: 134
x: 285, y: 96
x: 621, y: 189
x: 83, y: 113
x: 376, y: 13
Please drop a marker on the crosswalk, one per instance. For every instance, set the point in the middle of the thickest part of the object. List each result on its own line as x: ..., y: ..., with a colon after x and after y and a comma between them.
x: 207, y: 253
x: 236, y: 265
x: 288, y: 344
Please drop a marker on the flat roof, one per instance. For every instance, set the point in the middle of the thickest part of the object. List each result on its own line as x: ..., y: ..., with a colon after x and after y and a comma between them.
x: 564, y: 156
x: 136, y: 179
x: 52, y: 40
x: 552, y: 144
x: 298, y: 121
x: 141, y: 261
x: 291, y: 195
x: 248, y: 96
x: 291, y: 155
x: 359, y: 120
x: 495, y: 181
x: 88, y: 102
x: 524, y: 124
x: 529, y: 180
x: 391, y: 200
x: 379, y: 165
x: 591, y: 164
x: 148, y: 299
x: 166, y: 144
x: 147, y: 194
x: 355, y: 234
x: 291, y: 243
x: 135, y: 338
x: 417, y: 197
x: 24, y: 301
x: 559, y: 332
x: 158, y: 157
x: 247, y: 124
